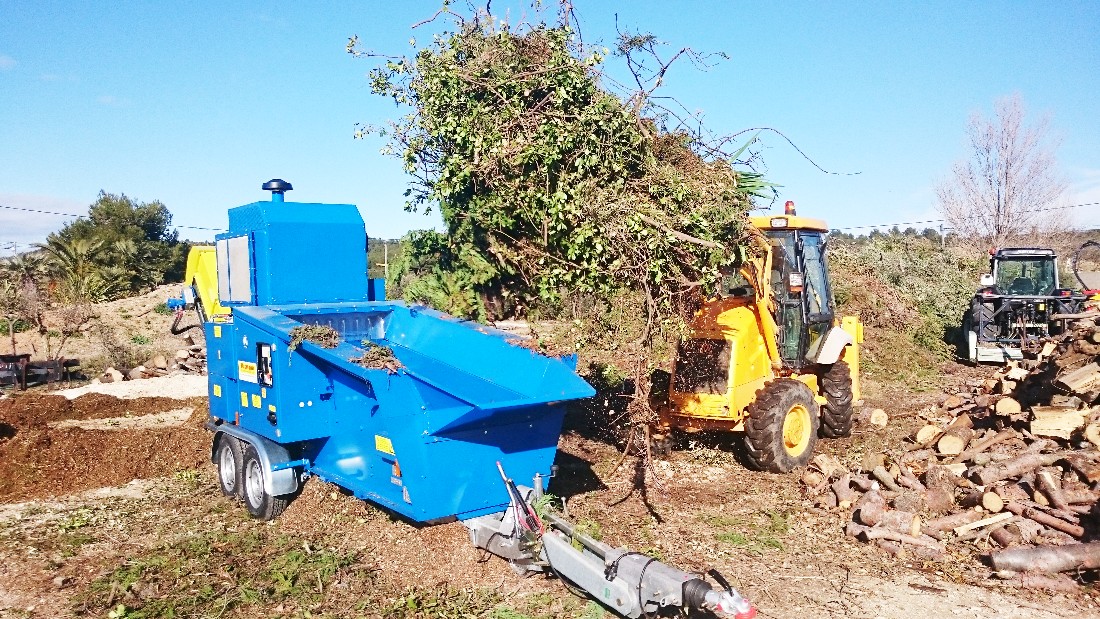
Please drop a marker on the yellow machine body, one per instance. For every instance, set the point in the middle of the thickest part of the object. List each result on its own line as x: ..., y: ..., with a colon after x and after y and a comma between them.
x: 746, y: 325
x: 202, y: 274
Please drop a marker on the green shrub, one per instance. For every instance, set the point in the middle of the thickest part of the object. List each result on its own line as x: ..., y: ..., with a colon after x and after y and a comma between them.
x: 20, y: 326
x: 906, y: 284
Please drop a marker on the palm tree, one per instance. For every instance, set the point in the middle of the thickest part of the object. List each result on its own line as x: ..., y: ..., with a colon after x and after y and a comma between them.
x: 28, y: 269
x: 78, y: 276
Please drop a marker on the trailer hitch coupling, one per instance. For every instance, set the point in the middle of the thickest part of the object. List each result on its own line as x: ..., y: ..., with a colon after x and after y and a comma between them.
x: 630, y: 583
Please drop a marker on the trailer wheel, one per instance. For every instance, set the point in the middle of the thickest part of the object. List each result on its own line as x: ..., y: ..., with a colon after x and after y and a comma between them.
x: 260, y: 504
x: 229, y: 458
x: 781, y: 428
x: 836, y: 415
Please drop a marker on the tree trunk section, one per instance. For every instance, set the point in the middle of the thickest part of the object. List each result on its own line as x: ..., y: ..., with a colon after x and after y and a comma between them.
x: 1045, y: 519
x: 1048, y: 559
x: 1007, y: 407
x: 989, y: 475
x: 876, y: 515
x: 982, y: 445
x: 990, y: 501
x: 956, y: 436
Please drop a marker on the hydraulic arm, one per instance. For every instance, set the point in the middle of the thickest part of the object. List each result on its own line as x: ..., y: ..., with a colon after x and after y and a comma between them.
x: 632, y: 584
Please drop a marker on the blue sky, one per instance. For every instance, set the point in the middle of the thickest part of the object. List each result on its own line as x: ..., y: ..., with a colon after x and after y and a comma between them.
x: 196, y: 104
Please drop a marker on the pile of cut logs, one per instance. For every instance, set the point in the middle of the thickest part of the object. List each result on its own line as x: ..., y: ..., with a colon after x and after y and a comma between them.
x: 1009, y: 466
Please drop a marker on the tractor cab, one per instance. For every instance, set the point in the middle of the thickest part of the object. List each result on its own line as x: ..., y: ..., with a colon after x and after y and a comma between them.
x: 1024, y: 272
x: 803, y: 293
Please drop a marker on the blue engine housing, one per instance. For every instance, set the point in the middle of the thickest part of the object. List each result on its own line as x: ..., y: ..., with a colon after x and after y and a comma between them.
x: 422, y: 441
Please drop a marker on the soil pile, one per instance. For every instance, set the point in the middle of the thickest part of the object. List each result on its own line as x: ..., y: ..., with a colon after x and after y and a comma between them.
x: 38, y: 460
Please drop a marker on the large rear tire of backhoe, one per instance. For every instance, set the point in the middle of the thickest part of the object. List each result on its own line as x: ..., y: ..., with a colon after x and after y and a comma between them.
x: 781, y: 428
x: 836, y: 415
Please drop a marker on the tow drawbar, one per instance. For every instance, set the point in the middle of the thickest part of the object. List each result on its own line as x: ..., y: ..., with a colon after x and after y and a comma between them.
x: 630, y: 583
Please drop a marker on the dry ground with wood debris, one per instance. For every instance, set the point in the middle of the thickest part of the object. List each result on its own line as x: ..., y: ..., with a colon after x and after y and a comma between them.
x: 110, y: 505
x: 124, y: 333
x: 125, y: 519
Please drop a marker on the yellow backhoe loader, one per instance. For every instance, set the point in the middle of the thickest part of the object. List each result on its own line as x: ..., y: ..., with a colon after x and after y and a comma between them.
x: 770, y: 357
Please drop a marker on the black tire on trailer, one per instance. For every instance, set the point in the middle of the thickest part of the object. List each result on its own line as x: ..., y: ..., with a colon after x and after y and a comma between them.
x: 836, y: 415
x: 229, y: 460
x: 260, y: 504
x: 781, y: 427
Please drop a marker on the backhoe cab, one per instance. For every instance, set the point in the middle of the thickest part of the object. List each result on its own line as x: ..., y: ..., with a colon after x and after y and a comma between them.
x: 769, y: 356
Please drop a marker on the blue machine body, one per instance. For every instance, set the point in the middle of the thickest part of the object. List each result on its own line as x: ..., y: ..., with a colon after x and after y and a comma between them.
x: 422, y: 441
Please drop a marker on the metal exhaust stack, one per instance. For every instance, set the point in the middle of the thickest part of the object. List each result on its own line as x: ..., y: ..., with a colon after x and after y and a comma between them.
x: 277, y: 187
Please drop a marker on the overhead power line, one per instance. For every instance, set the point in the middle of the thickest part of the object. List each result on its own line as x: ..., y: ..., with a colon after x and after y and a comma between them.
x: 936, y: 221
x: 31, y: 210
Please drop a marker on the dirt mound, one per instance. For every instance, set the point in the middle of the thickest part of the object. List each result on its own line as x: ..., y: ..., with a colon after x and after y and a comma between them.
x: 37, y: 460
x: 32, y: 409
x: 398, y: 552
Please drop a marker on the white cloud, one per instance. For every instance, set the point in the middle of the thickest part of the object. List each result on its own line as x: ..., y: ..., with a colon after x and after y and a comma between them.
x: 7, y: 62
x: 112, y: 101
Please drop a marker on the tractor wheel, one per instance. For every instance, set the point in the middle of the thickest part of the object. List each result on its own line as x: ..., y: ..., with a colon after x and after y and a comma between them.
x: 982, y: 314
x: 228, y: 457
x: 781, y: 428
x: 260, y: 504
x: 836, y: 415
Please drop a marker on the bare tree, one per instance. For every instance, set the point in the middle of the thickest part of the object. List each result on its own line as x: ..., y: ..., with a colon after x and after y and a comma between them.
x: 1006, y: 189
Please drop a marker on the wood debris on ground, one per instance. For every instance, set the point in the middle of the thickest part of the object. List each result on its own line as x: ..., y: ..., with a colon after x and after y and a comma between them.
x: 1008, y: 468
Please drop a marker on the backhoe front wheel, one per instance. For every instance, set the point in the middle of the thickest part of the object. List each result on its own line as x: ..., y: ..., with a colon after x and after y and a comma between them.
x: 782, y: 425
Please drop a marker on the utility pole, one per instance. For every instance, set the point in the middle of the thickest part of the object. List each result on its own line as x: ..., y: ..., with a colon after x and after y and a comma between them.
x: 385, y: 264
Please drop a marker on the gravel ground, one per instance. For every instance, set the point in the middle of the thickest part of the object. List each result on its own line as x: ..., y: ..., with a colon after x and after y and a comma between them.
x: 178, y: 387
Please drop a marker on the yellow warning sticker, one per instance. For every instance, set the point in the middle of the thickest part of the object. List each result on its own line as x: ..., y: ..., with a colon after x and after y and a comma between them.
x: 244, y: 400
x: 256, y: 403
x: 271, y: 408
x: 246, y: 371
x: 217, y: 331
x: 383, y: 444
x: 218, y: 390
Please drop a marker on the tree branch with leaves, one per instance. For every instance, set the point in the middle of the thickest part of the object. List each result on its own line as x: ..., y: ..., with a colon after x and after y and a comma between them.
x: 551, y: 186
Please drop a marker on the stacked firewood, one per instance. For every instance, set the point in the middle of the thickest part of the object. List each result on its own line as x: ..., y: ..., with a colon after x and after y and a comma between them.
x: 1008, y: 466
x: 190, y: 360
